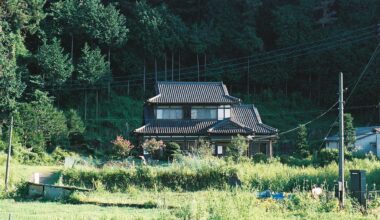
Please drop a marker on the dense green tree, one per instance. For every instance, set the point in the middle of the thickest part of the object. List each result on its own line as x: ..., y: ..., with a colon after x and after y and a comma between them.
x: 40, y: 124
x: 56, y: 66
x: 11, y: 86
x: 24, y: 15
x: 92, y: 65
x: 237, y: 148
x: 349, y: 131
x: 302, y: 144
x: 74, y: 122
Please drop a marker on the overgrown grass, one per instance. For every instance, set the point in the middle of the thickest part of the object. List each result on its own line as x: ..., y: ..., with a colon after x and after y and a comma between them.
x: 210, y: 204
x: 193, y: 174
x: 21, y: 172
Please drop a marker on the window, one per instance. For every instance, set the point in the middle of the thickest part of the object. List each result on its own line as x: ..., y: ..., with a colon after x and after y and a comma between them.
x: 169, y: 112
x: 224, y: 111
x: 219, y: 150
x: 203, y: 112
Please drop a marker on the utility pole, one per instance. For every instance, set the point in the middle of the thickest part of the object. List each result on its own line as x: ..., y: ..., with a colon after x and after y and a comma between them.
x: 341, y: 144
x: 9, y: 155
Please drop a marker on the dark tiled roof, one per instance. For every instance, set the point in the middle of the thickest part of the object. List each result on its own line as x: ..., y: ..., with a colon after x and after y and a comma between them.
x: 192, y: 92
x: 250, y: 117
x: 176, y: 127
x: 228, y: 126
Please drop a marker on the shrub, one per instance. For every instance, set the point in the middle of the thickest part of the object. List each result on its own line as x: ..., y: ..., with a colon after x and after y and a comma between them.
x: 237, y: 148
x: 171, y: 150
x: 59, y: 155
x: 326, y: 156
x: 154, y: 147
x: 260, y: 157
x: 121, y: 147
x: 203, y: 149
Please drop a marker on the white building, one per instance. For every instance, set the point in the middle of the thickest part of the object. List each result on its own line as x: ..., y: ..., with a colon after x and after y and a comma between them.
x: 367, y: 140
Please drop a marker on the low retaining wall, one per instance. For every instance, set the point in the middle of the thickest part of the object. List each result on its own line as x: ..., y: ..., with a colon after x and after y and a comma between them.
x: 51, y: 192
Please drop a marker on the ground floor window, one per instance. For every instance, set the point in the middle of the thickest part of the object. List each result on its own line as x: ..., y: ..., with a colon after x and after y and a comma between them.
x: 219, y: 150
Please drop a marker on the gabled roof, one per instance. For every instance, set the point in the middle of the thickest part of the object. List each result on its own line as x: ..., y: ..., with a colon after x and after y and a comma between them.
x: 229, y: 126
x: 249, y: 116
x: 192, y: 92
x: 360, y: 132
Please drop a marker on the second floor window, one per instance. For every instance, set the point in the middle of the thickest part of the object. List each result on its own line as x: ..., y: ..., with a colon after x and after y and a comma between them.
x: 204, y: 112
x: 169, y: 112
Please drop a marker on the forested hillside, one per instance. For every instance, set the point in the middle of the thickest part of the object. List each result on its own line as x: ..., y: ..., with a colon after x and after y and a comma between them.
x: 77, y: 72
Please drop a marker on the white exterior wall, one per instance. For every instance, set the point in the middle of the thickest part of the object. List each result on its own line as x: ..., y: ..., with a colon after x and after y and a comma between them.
x: 363, y: 145
x: 331, y: 145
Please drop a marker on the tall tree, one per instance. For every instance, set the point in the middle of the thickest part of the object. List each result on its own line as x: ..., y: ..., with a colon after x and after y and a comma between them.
x: 11, y: 86
x: 150, y: 29
x: 91, y: 68
x: 302, y: 145
x: 56, y: 66
x: 349, y: 131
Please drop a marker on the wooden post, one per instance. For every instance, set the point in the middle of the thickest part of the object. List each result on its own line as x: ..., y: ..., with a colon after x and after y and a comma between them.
x: 179, y: 65
x: 9, y: 155
x: 128, y: 87
x: 166, y: 68
x: 205, y: 66
x: 144, y: 77
x: 248, y: 77
x: 72, y: 47
x: 198, y: 65
x: 85, y: 104
x: 172, y: 66
x: 155, y: 69
x: 97, y: 105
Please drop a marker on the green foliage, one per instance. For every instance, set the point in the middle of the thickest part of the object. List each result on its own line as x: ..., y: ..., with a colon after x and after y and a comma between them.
x: 40, y: 124
x: 122, y: 147
x: 11, y: 86
x: 154, y: 147
x: 237, y: 148
x: 326, y: 156
x: 74, y: 122
x: 56, y: 66
x: 349, y: 132
x: 92, y: 66
x: 25, y: 15
x: 171, y: 149
x: 260, y: 158
x: 203, y: 149
x: 302, y: 145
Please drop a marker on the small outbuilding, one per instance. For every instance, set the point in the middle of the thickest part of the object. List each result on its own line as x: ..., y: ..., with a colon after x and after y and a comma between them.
x: 367, y: 140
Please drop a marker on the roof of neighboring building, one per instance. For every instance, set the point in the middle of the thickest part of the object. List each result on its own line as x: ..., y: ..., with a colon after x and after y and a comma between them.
x: 245, y: 119
x: 360, y: 132
x: 249, y: 116
x: 192, y: 92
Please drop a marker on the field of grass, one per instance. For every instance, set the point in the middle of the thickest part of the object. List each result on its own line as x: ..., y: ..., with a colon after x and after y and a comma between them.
x: 210, y: 204
x: 191, y: 189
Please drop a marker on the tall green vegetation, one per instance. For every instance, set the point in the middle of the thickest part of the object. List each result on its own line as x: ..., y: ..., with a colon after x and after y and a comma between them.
x: 56, y: 66
x: 237, y: 148
x: 41, y: 126
x: 301, y: 142
x: 349, y: 131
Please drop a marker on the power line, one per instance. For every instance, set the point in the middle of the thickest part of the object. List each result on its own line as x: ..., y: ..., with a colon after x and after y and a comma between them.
x: 258, y: 59
x: 222, y: 68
